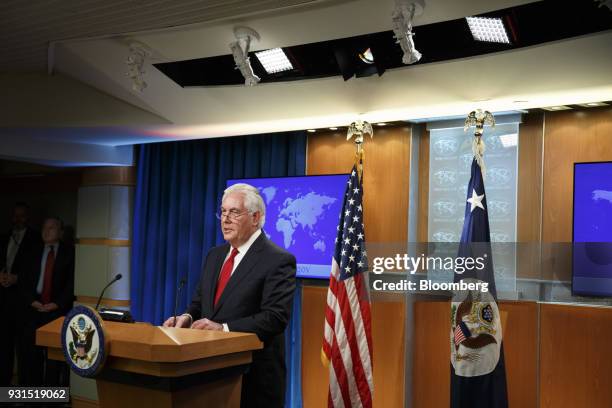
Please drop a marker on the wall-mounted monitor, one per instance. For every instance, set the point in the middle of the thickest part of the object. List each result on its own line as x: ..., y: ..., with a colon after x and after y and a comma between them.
x: 592, y: 229
x: 302, y: 216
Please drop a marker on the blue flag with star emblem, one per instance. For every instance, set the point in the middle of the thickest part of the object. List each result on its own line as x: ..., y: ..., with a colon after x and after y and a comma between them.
x: 478, y: 373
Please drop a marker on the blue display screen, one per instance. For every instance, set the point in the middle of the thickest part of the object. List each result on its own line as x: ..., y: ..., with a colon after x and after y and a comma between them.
x: 592, y: 240
x: 302, y: 216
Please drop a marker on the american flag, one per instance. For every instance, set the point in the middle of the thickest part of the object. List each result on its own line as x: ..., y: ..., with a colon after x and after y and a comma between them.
x: 461, y: 332
x: 347, y: 343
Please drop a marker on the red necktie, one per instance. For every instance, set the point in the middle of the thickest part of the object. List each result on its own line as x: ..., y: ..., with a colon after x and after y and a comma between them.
x: 224, y: 276
x: 45, y: 296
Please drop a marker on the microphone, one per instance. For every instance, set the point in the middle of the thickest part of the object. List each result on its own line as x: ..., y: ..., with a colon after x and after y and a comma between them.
x: 117, y: 277
x: 178, y: 291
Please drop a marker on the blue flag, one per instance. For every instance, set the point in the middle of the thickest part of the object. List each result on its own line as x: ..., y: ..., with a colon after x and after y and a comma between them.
x: 478, y: 373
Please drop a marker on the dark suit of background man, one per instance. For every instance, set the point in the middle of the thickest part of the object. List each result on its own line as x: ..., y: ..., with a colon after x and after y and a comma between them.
x: 47, y: 288
x: 19, y: 241
x: 247, y: 285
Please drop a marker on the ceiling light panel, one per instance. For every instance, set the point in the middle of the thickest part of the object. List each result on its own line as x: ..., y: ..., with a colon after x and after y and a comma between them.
x: 557, y: 108
x: 488, y: 29
x: 593, y: 104
x: 274, y: 60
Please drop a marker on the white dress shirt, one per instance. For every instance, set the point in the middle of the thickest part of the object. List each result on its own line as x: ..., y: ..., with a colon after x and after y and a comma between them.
x: 43, y: 263
x: 242, y: 250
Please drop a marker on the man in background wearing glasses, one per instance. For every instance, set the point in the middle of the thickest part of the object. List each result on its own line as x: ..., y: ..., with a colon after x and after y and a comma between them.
x: 247, y: 285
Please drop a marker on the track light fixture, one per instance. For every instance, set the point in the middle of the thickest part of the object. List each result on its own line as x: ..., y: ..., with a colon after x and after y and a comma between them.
x: 240, y: 51
x: 135, y: 63
x: 402, y: 17
x: 607, y: 3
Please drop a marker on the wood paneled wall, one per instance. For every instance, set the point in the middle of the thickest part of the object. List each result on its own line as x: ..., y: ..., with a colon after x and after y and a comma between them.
x: 569, y: 137
x: 315, y: 377
x: 388, y: 324
x: 423, y: 207
x: 386, y: 178
x: 549, y: 145
x: 564, y: 348
x: 561, y: 350
x: 575, y: 357
x: 431, y: 371
x: 529, y: 196
x: 556, y: 356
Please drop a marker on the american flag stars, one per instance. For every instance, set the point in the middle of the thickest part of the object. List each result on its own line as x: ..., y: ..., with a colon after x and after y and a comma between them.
x: 350, y: 240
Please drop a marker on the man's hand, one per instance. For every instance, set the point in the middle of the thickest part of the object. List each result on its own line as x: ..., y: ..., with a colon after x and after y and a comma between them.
x: 181, y: 321
x: 49, y: 307
x: 7, y: 279
x: 37, y: 305
x: 205, y: 324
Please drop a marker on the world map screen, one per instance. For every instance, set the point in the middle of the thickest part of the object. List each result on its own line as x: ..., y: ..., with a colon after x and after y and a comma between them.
x: 592, y: 241
x: 302, y: 216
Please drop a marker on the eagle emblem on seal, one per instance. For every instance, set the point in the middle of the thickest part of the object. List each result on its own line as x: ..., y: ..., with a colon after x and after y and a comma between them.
x: 476, y: 333
x: 80, y: 346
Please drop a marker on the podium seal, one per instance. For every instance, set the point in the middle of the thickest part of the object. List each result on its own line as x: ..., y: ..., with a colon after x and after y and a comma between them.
x: 84, y: 341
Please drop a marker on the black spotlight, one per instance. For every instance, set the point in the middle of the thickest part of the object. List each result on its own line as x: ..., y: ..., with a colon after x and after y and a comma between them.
x: 358, y: 59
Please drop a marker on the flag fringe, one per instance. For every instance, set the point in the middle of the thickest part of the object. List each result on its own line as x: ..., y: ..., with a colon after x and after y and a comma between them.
x: 324, y: 359
x: 478, y: 149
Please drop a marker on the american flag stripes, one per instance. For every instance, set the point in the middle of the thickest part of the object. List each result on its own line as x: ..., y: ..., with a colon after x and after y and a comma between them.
x: 347, y: 343
x: 461, y: 333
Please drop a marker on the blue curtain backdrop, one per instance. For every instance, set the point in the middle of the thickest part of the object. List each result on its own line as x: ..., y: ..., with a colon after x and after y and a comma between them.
x: 178, y: 190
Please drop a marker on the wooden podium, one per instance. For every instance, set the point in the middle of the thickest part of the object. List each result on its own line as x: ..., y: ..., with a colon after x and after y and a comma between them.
x: 155, y: 366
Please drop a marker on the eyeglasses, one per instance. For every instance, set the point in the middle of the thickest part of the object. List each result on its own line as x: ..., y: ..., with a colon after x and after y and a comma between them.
x: 232, y: 214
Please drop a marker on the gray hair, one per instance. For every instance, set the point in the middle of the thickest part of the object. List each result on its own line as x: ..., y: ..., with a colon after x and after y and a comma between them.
x: 252, y: 199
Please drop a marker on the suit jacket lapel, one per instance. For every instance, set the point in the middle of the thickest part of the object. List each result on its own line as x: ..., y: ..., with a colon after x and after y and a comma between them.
x: 244, y: 267
x: 62, y: 260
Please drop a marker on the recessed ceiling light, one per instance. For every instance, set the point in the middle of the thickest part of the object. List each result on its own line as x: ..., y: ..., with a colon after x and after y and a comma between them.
x: 274, y: 60
x: 488, y: 29
x: 557, y: 108
x: 509, y: 140
x: 311, y: 130
x: 593, y: 104
x: 333, y: 128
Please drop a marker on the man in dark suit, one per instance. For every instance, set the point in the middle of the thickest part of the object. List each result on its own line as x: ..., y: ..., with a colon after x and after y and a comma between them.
x: 14, y: 248
x: 247, y: 285
x: 47, y: 290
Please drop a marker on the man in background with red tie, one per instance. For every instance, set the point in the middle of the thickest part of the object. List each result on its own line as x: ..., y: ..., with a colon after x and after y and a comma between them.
x: 247, y: 285
x: 19, y: 242
x: 47, y: 290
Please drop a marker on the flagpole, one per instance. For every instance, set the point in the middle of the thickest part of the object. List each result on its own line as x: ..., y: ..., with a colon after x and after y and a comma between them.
x: 478, y: 373
x: 347, y: 347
